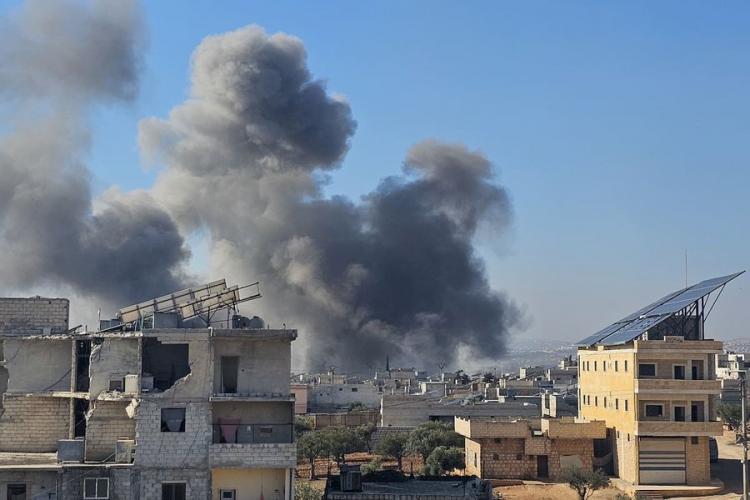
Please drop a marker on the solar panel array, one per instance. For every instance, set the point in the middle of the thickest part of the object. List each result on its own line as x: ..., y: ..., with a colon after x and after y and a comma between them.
x: 636, y: 324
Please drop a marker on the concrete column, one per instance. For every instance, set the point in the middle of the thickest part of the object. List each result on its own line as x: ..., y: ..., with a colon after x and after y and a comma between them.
x: 289, y: 482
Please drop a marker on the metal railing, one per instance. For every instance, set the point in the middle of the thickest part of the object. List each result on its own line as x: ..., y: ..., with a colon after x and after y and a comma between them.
x: 244, y: 433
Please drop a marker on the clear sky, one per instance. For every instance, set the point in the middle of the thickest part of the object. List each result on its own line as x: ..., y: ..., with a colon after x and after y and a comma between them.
x: 620, y: 129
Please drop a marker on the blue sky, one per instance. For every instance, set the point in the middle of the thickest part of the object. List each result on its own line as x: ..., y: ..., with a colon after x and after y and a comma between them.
x: 620, y: 130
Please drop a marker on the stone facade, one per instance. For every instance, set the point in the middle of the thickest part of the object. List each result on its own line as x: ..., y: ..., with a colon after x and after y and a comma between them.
x: 33, y: 424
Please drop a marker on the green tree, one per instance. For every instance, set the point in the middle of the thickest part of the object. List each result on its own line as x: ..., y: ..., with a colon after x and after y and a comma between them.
x: 340, y: 441
x: 444, y: 459
x: 730, y: 414
x: 364, y: 433
x: 304, y: 491
x: 357, y: 406
x: 302, y: 424
x: 425, y: 438
x: 373, y: 465
x: 393, y: 445
x: 312, y: 445
x: 585, y: 482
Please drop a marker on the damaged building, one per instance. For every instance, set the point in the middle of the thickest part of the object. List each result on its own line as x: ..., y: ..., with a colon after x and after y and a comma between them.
x: 177, y: 398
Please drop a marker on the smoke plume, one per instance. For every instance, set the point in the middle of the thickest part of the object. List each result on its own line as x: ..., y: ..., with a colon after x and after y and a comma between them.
x: 60, y: 60
x: 393, y: 274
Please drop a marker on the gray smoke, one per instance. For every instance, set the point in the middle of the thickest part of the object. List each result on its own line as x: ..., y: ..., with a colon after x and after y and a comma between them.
x: 394, y: 274
x: 59, y: 60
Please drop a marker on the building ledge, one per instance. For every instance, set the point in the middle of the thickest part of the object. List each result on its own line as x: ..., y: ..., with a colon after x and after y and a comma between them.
x: 252, y: 455
x: 49, y: 394
x: 670, y: 386
x: 670, y: 428
x: 258, y: 398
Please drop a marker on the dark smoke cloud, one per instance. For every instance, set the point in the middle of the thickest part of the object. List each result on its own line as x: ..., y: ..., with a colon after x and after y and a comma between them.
x: 59, y: 60
x: 395, y: 274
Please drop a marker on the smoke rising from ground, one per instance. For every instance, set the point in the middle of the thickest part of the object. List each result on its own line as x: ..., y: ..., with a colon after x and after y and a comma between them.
x: 395, y: 274
x: 60, y: 59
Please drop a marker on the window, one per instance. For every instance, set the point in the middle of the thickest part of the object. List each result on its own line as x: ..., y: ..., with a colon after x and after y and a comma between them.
x: 605, y: 401
x: 16, y: 491
x: 617, y: 404
x: 95, y: 487
x: 355, y: 389
x: 679, y: 413
x: 615, y: 365
x: 654, y: 410
x: 497, y: 440
x: 626, y: 365
x: 693, y: 439
x: 173, y: 419
x: 596, y: 400
x: 626, y: 405
x: 594, y: 365
x: 173, y: 491
x: 618, y: 434
x: 495, y: 456
x: 604, y: 366
x: 628, y: 437
x: 646, y: 370
x: 475, y: 459
x: 679, y: 372
x: 227, y: 494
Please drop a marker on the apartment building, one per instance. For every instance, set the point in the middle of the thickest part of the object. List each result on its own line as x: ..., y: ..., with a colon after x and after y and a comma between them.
x: 177, y: 398
x: 652, y: 378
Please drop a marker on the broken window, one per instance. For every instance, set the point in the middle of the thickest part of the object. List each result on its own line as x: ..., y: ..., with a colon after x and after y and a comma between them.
x: 173, y: 419
x: 167, y: 363
x: 83, y: 354
x: 95, y: 488
x: 173, y: 491
x: 79, y: 414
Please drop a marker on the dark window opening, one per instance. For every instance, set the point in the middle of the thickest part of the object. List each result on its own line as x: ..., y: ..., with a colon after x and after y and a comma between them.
x: 80, y: 408
x: 173, y: 491
x: 654, y: 410
x: 679, y: 413
x: 173, y: 419
x: 679, y: 372
x: 167, y: 363
x: 83, y: 356
x: 693, y: 439
x: 229, y: 373
x: 646, y: 370
x: 16, y: 492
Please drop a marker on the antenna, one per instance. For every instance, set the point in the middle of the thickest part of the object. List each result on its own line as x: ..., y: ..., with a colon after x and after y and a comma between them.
x: 686, y: 268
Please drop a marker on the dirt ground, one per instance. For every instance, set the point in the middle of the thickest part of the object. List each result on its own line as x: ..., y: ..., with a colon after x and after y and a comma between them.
x: 533, y: 490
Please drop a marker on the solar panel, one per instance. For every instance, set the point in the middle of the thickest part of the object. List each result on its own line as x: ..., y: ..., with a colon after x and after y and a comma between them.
x: 639, y: 322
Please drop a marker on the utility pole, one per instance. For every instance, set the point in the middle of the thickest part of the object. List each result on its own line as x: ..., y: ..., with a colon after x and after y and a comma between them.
x: 744, y: 440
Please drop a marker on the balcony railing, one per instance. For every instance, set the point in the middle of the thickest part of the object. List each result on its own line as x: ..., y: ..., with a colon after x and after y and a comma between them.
x: 667, y: 385
x: 235, y: 432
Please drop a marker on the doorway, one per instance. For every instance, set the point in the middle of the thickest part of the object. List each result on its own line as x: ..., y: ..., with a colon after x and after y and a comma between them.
x: 542, y: 466
x: 229, y: 374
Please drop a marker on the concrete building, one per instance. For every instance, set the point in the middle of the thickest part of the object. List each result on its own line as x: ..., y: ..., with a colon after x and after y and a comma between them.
x: 732, y: 365
x: 387, y: 485
x: 332, y: 397
x: 652, y: 378
x: 400, y: 410
x: 160, y: 407
x: 526, y: 449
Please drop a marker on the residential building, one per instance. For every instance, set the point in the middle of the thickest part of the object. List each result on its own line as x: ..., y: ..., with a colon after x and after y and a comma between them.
x: 652, y: 378
x: 169, y: 400
x: 527, y: 449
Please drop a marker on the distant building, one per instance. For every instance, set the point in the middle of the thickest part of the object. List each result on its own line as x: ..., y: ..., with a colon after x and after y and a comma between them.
x: 524, y: 449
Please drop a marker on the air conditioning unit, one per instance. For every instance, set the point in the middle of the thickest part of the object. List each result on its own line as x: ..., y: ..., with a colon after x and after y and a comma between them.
x: 132, y: 384
x: 124, y: 451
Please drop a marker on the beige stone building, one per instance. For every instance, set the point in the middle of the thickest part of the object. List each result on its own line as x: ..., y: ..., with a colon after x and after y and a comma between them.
x: 179, y: 398
x: 527, y: 449
x: 652, y: 378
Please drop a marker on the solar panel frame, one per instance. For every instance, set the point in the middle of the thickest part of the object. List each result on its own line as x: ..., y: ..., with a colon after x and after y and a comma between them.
x: 637, y: 323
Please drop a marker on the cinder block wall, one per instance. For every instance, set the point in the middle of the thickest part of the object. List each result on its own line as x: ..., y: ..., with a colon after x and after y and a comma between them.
x: 33, y: 424
x: 108, y: 423
x: 697, y: 461
x: 33, y: 315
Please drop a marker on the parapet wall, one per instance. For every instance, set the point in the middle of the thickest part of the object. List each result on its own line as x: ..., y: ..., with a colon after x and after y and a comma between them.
x: 33, y: 315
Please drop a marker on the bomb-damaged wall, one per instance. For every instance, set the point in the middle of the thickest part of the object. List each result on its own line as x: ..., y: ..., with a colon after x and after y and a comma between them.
x: 198, y: 382
x: 38, y: 365
x: 263, y: 365
x: 112, y: 359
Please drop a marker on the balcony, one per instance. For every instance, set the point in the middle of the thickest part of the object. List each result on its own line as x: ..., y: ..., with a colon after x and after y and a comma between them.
x: 240, y: 445
x: 670, y: 386
x: 671, y: 428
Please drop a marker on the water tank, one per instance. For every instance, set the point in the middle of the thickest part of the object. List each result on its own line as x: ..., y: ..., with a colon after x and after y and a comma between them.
x: 70, y: 450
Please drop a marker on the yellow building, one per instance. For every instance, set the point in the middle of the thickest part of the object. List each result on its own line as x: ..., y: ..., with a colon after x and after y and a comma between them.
x: 652, y: 378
